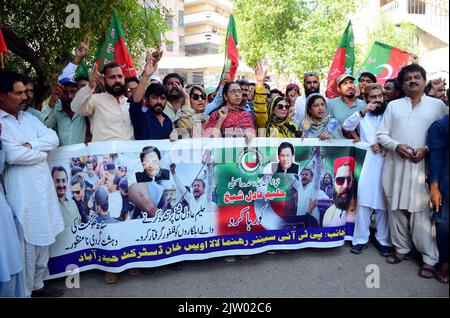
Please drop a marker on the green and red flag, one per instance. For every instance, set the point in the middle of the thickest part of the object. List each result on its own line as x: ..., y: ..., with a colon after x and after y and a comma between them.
x: 82, y: 70
x: 343, y: 62
x: 231, y: 51
x: 3, y: 48
x: 114, y: 49
x: 384, y: 61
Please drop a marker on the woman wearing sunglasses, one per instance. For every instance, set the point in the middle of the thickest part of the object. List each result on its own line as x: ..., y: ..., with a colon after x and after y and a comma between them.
x: 198, y: 101
x: 318, y: 122
x: 275, y: 120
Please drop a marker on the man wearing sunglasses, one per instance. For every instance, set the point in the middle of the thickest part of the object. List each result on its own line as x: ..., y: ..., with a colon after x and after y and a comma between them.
x: 344, y: 185
x: 311, y: 85
x: 77, y: 189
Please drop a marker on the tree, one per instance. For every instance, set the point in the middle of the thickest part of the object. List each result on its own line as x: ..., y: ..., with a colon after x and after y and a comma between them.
x: 37, y: 32
x: 403, y: 36
x: 297, y: 35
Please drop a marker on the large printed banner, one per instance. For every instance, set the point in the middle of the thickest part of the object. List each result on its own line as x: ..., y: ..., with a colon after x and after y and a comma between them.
x: 139, y: 204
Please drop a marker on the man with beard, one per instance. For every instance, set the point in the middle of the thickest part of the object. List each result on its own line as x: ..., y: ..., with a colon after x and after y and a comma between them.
x: 345, y: 105
x: 311, y: 85
x: 370, y: 202
x: 68, y: 207
x: 177, y: 105
x: 403, y: 132
x: 108, y: 112
x: 26, y: 142
x: 336, y: 215
x: 150, y: 122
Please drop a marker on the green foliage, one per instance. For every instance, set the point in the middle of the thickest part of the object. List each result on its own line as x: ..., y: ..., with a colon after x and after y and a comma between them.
x: 297, y: 35
x: 35, y: 31
x: 404, y: 36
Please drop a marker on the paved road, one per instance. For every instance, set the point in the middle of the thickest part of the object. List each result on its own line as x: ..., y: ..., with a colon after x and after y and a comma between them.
x: 301, y: 273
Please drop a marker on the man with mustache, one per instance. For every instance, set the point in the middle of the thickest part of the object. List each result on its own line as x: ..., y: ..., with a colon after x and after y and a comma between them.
x: 370, y: 202
x: 108, y: 112
x: 150, y: 122
x: 26, y: 143
x: 345, y: 105
x: 68, y: 207
x: 344, y: 184
x: 177, y: 106
x: 311, y: 85
x: 403, y: 132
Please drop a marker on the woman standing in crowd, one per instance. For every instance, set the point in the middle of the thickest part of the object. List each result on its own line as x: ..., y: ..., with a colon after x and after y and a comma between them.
x: 318, y: 122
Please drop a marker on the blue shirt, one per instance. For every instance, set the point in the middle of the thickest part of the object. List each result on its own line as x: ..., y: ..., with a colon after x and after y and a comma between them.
x: 341, y: 111
x: 146, y: 125
x: 438, y: 154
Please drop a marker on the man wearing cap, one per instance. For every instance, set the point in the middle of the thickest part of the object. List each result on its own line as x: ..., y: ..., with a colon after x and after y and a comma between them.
x: 336, y: 215
x: 102, y: 203
x: 311, y: 85
x: 403, y: 132
x: 345, y: 105
x: 371, y: 201
x: 364, y: 79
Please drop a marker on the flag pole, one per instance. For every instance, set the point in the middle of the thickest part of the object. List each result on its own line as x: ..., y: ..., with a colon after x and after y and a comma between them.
x: 1, y: 58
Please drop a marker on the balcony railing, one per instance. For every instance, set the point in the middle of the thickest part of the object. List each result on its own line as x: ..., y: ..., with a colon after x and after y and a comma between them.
x: 429, y: 15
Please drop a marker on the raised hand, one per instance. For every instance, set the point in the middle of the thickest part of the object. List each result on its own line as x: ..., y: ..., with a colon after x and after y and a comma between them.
x: 150, y: 64
x: 81, y: 51
x: 260, y: 74
x: 56, y: 92
x: 96, y: 78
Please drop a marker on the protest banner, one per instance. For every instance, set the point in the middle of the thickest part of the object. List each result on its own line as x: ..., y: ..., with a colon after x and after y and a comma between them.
x: 151, y: 203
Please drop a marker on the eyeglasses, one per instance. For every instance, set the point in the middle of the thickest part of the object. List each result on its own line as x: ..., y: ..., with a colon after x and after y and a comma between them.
x: 341, y: 180
x: 235, y: 91
x: 130, y: 90
x: 197, y: 96
x: 310, y: 74
x: 281, y: 106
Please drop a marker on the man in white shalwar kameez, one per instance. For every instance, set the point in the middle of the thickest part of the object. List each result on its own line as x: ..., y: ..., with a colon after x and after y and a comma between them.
x: 11, y: 262
x: 28, y: 183
x: 403, y: 132
x: 371, y: 199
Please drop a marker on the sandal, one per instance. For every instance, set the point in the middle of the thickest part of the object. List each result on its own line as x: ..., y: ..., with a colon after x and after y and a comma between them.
x: 427, y: 272
x: 110, y: 278
x: 395, y: 258
x: 441, y: 277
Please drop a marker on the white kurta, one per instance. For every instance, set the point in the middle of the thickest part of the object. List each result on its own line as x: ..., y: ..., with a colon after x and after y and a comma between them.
x: 370, y: 186
x: 28, y: 182
x: 404, y: 181
x: 11, y: 261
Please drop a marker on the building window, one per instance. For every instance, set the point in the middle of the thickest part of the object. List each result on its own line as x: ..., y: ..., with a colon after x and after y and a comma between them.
x: 181, y: 18
x: 197, y: 78
x: 182, y: 44
x: 169, y: 47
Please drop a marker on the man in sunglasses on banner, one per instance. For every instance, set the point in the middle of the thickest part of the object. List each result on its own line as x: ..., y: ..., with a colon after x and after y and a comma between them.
x: 344, y: 185
x: 311, y: 84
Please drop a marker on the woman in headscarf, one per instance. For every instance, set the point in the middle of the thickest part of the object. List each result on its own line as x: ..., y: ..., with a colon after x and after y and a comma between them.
x: 275, y: 119
x: 318, y: 122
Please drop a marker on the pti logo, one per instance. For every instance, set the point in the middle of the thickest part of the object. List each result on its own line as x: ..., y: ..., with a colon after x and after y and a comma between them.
x: 250, y: 160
